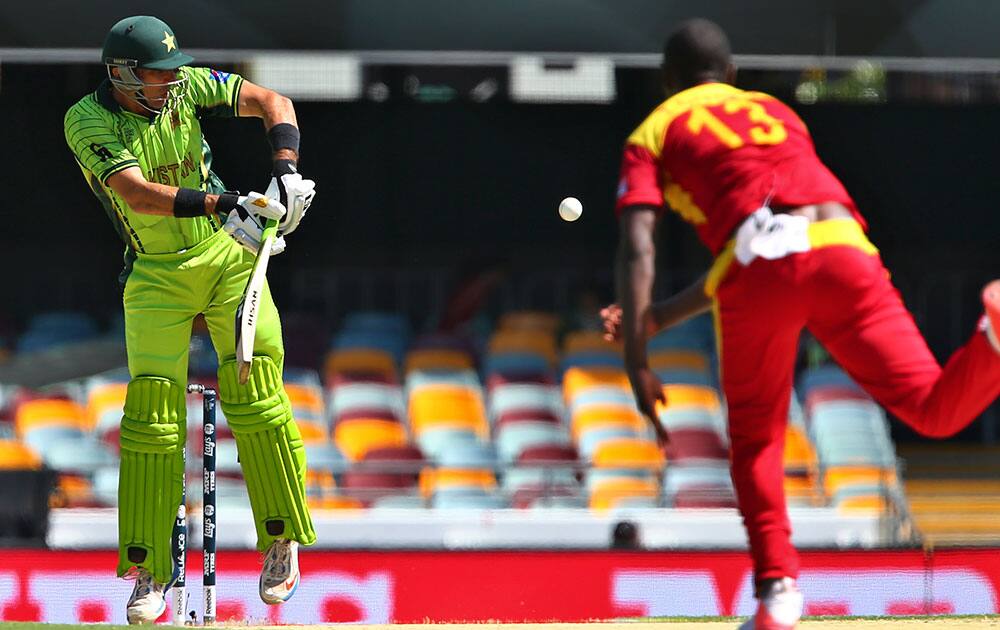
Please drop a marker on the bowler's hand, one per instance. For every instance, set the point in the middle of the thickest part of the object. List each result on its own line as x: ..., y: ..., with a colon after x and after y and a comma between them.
x: 648, y: 390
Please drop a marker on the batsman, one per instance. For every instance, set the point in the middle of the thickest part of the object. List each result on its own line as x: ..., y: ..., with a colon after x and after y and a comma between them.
x: 190, y: 246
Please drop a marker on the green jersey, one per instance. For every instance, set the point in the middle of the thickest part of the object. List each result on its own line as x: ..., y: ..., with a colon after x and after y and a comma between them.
x: 169, y: 148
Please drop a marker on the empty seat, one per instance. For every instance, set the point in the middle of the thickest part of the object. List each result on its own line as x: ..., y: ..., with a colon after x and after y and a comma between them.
x: 361, y: 361
x: 367, y: 396
x: 579, y: 379
x: 628, y: 453
x: 699, y: 486
x: 597, y: 416
x: 524, y: 341
x: 448, y: 406
x: 611, y: 492
x: 512, y: 364
x: 16, y: 455
x: 467, y: 500
x: 590, y: 440
x: 434, y: 359
x: 506, y: 398
x: 357, y: 436
x: 514, y: 438
x: 688, y: 444
x: 434, y: 441
x: 537, y: 321
x: 692, y: 360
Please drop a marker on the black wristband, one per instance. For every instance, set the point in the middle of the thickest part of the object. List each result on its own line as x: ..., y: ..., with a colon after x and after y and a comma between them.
x: 283, y: 167
x: 227, y: 201
x: 284, y: 136
x: 189, y: 203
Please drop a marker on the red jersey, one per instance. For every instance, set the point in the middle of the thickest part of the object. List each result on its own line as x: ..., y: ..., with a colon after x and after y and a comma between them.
x: 715, y: 153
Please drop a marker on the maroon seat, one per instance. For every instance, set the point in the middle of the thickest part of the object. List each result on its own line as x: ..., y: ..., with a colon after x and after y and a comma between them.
x: 497, y: 378
x: 827, y: 393
x: 403, y: 461
x: 367, y: 484
x: 346, y: 378
x: 704, y: 496
x: 548, y: 453
x: 524, y: 415
x: 693, y: 443
x: 375, y: 413
x: 528, y: 495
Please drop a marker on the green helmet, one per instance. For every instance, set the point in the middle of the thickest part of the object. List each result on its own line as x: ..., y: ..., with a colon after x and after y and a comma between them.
x: 142, y: 41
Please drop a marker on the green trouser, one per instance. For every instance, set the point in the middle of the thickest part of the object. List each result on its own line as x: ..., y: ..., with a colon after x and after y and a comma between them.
x: 163, y: 294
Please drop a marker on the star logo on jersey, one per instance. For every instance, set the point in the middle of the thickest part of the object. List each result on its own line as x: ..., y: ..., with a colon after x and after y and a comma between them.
x: 168, y: 41
x: 218, y: 75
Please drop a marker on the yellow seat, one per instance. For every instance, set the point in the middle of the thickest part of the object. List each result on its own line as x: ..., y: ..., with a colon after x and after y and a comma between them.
x: 365, y: 361
x: 357, y: 436
x: 434, y: 479
x: 679, y: 360
x: 629, y: 453
x: 609, y: 492
x: 335, y: 502
x: 50, y: 412
x: 529, y: 320
x: 447, y: 405
x: 433, y: 359
x: 104, y: 397
x: 837, y: 477
x: 690, y: 396
x: 589, y: 341
x: 799, y: 453
x: 863, y: 503
x: 593, y: 416
x: 802, y: 488
x: 529, y: 341
x: 17, y: 456
x: 578, y: 379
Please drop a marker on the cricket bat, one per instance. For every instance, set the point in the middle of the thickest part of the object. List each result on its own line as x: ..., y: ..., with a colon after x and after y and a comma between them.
x: 247, y: 311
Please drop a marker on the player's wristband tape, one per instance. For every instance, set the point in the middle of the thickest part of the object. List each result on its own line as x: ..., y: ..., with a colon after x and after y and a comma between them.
x: 227, y: 202
x: 189, y: 203
x: 284, y: 136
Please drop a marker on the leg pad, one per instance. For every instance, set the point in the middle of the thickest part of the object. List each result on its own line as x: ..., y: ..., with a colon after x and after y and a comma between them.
x: 271, y: 451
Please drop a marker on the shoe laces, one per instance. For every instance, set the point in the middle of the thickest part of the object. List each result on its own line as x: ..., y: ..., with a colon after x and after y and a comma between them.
x: 144, y: 583
x: 277, y: 560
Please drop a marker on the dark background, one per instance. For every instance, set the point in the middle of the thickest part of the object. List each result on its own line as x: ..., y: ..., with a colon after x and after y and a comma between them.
x: 440, y: 190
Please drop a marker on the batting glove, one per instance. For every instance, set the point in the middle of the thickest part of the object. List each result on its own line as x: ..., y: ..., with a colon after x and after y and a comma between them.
x: 296, y: 194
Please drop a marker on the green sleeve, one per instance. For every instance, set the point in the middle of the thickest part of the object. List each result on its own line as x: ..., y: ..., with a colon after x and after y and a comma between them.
x: 215, y: 93
x: 91, y: 137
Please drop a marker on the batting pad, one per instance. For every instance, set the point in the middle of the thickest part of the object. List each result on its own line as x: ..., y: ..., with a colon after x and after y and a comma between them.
x: 270, y: 448
x: 151, y: 477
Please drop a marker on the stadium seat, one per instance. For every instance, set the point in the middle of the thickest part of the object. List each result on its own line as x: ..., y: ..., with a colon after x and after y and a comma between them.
x: 579, y: 379
x: 597, y: 416
x: 605, y: 359
x: 689, y: 443
x: 435, y: 359
x: 514, y: 438
x: 436, y: 440
x: 611, y: 492
x: 628, y: 453
x: 691, y: 360
x: 356, y: 437
x: 699, y: 486
x: 365, y: 396
x: 448, y: 406
x: 376, y: 362
x: 591, y: 439
x: 448, y: 499
x: 524, y: 341
x: 534, y: 321
x: 16, y: 455
x: 589, y: 341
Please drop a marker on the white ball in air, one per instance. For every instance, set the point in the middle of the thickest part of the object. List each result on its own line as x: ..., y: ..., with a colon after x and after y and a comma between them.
x: 570, y: 209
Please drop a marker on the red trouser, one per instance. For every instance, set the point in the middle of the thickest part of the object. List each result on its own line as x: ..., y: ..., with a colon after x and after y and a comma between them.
x: 841, y: 292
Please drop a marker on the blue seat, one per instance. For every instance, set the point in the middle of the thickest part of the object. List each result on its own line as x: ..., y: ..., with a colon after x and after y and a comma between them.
x: 467, y: 498
x: 434, y: 442
x: 377, y: 321
x: 516, y: 363
x: 592, y: 359
x: 825, y: 375
x: 514, y: 437
x: 697, y: 333
x: 84, y: 455
x: 415, y: 379
x: 538, y: 476
x: 515, y: 396
x: 684, y: 377
x: 467, y: 454
x: 399, y: 502
x: 603, y: 395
